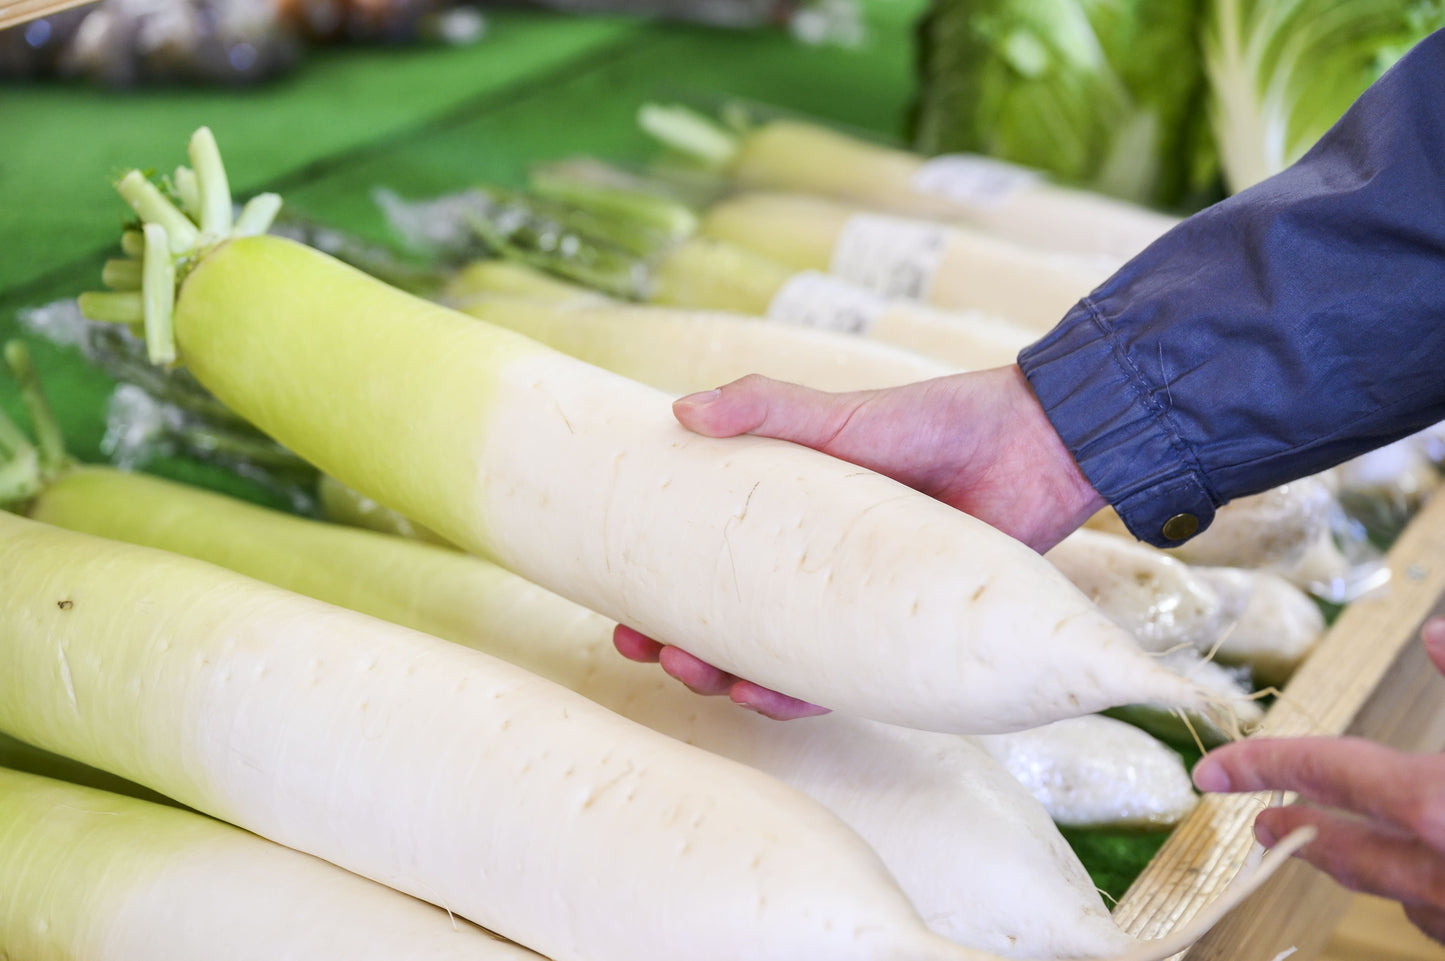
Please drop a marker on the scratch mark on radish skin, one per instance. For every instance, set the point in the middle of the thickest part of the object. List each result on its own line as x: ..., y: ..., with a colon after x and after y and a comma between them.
x: 69, y: 681
x: 601, y: 789
x: 727, y: 538
x: 607, y: 512
x: 563, y: 414
x: 847, y: 532
x: 748, y: 500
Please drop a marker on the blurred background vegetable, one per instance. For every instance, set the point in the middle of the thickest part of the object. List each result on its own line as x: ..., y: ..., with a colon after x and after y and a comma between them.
x: 1110, y: 94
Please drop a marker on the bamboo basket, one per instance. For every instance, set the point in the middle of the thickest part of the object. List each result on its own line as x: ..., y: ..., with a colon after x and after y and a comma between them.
x: 1369, y: 677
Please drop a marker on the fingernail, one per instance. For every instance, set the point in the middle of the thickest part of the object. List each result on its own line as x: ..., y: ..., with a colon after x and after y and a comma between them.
x: 1264, y: 835
x: 700, y: 399
x: 1210, y: 777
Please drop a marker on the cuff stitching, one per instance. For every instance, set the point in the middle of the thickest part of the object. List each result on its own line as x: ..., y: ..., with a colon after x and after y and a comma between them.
x: 1138, y: 384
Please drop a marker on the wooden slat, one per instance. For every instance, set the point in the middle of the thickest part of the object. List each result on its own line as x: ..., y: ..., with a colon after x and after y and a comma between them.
x: 1376, y: 930
x: 13, y: 12
x: 1369, y: 676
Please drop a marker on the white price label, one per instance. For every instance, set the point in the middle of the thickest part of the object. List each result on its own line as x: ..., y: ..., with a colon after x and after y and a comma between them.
x: 811, y: 299
x: 893, y: 256
x: 979, y: 181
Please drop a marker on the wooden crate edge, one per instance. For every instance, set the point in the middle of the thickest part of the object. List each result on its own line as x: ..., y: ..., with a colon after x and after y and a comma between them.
x: 1326, y: 696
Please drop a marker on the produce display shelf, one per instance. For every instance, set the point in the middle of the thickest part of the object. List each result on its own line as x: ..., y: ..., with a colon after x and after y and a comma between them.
x: 1370, y: 677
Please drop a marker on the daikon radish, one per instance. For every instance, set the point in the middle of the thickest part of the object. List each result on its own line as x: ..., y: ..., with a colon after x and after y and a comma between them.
x: 932, y: 805
x: 1097, y: 772
x: 686, y: 351
x: 1228, y: 684
x: 1012, y: 202
x: 1153, y: 596
x: 967, y: 340
x: 1170, y: 612
x: 962, y: 809
x: 89, y: 874
x: 775, y: 562
x: 950, y: 267
x: 700, y: 277
x: 1275, y: 625
x: 437, y: 770
x: 934, y: 777
x: 706, y: 274
x: 1252, y: 618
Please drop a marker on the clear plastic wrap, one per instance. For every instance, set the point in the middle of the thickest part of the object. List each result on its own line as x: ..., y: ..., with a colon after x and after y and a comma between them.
x: 1254, y: 619
x: 1091, y: 772
x: 1273, y: 527
x: 1274, y: 625
x: 157, y: 413
x: 1299, y: 530
x: 1341, y: 564
x: 1150, y: 594
x: 122, y: 356
x: 140, y: 428
x: 1384, y: 488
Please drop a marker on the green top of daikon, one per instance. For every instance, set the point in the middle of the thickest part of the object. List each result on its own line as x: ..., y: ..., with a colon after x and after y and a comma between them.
x: 174, y: 237
x: 25, y: 467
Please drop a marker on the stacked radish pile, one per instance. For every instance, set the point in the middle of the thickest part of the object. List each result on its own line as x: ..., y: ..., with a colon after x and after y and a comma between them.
x: 395, y: 740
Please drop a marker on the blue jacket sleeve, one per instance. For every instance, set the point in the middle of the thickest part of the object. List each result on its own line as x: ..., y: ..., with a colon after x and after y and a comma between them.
x: 1282, y: 331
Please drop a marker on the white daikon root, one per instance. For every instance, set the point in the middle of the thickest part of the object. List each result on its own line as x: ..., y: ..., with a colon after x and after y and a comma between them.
x: 89, y: 874
x: 682, y: 351
x: 1150, y: 594
x: 1275, y: 625
x: 933, y: 806
x: 1097, y: 772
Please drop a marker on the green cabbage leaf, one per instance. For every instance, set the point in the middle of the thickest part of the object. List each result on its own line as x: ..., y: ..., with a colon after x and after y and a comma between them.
x: 1282, y: 72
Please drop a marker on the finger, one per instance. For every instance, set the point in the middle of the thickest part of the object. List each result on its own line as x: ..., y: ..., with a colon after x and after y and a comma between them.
x: 1349, y: 773
x: 768, y: 408
x: 634, y: 646
x: 700, y: 676
x: 1431, y: 921
x: 1433, y: 634
x: 1360, y: 855
x: 778, y: 706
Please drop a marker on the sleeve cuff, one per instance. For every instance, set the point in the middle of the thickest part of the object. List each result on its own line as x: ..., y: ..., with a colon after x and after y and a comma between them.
x: 1117, y: 427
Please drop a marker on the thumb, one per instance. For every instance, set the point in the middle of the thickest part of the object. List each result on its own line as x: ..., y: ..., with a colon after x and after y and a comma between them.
x: 1433, y: 634
x: 767, y: 408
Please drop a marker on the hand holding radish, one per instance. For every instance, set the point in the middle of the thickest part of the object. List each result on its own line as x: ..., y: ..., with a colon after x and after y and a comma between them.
x: 1380, y: 813
x: 978, y: 442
